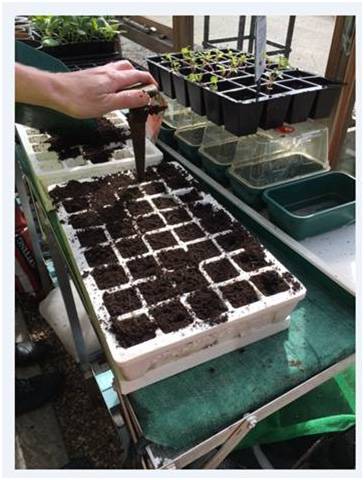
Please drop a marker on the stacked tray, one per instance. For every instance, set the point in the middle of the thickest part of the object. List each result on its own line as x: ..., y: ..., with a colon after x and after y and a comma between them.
x: 173, y: 279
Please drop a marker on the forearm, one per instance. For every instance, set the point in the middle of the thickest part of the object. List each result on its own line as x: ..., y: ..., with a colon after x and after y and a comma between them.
x: 35, y: 87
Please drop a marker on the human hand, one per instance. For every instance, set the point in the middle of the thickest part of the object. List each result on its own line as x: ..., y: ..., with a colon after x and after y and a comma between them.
x: 85, y: 93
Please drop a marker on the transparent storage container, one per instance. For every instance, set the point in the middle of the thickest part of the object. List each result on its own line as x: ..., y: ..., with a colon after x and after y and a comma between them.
x: 182, y: 119
x: 278, y: 156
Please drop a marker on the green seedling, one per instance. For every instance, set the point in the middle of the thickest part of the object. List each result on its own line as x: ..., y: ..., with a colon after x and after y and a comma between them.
x: 273, y: 77
x: 175, y: 65
x: 167, y: 57
x: 195, y: 77
x: 213, y: 83
x: 53, y: 30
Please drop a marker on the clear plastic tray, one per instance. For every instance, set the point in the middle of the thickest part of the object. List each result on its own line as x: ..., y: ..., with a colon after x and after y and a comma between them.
x: 184, y: 118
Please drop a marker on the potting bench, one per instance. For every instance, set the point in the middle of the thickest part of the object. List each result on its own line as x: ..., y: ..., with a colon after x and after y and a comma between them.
x: 200, y: 415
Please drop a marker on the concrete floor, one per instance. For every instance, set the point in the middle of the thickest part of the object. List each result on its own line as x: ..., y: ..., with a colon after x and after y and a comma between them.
x: 311, y: 38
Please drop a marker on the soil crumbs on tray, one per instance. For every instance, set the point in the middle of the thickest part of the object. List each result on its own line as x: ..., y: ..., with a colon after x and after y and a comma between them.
x: 85, y: 423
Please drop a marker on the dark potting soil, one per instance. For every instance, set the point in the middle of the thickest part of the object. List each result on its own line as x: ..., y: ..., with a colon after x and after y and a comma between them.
x: 154, y: 188
x: 177, y: 181
x: 213, y: 221
x: 143, y: 267
x: 100, y: 256
x: 119, y: 180
x: 141, y: 207
x: 200, y: 251
x: 252, y: 259
x: 122, y: 228
x: 121, y: 302
x: 161, y: 240
x: 131, y: 247
x: 207, y: 306
x: 175, y: 259
x: 76, y: 204
x: 110, y: 276
x: 235, y: 240
x: 239, y: 294
x: 269, y: 283
x: 74, y: 188
x: 91, y: 237
x: 192, y: 196
x: 112, y: 214
x: 177, y: 215
x: 157, y: 290
x: 150, y: 223
x: 84, y: 220
x: 132, y: 331
x: 187, y: 280
x: 294, y: 284
x: 167, y: 170
x: 164, y: 202
x: 190, y: 231
x: 221, y: 270
x: 132, y: 193
x: 171, y: 316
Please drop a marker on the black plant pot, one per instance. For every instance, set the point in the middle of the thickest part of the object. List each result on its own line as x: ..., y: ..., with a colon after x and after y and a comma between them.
x: 303, y: 95
x: 213, y: 100
x: 84, y: 49
x: 246, y: 81
x: 153, y: 66
x: 276, y: 106
x: 326, y: 97
x: 180, y: 85
x: 195, y: 94
x: 166, y: 82
x: 242, y: 110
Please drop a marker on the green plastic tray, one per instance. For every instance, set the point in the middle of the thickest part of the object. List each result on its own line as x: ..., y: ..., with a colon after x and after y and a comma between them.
x: 189, y: 141
x: 166, y: 135
x: 216, y: 160
x: 308, y: 207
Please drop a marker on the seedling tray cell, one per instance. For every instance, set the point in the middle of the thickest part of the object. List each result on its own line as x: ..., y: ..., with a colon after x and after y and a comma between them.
x: 311, y: 206
x: 51, y: 169
x: 303, y: 97
x: 242, y: 110
x: 326, y: 97
x: 213, y: 101
x: 181, y: 306
x: 276, y: 106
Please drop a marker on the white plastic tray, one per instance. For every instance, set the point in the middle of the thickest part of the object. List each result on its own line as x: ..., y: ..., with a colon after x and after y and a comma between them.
x: 47, y: 166
x: 167, y: 354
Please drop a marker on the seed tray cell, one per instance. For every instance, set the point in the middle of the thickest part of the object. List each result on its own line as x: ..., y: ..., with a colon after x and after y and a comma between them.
x: 50, y: 169
x: 190, y: 279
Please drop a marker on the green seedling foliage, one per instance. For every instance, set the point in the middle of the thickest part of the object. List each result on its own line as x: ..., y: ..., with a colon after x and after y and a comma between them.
x: 195, y: 77
x: 213, y: 83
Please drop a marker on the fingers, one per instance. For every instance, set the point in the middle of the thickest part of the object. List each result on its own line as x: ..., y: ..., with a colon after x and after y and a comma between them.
x: 131, y: 77
x: 122, y: 65
x: 129, y: 99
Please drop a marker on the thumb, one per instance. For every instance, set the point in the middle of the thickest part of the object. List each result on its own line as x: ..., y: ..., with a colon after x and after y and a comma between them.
x: 129, y: 99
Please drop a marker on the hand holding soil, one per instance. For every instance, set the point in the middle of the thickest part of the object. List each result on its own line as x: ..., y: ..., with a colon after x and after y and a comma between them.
x: 83, y: 94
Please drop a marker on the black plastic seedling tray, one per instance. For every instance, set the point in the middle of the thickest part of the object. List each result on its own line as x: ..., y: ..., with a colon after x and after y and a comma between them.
x: 237, y: 102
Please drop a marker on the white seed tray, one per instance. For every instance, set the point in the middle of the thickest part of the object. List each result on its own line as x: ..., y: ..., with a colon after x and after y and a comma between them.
x: 50, y: 169
x: 170, y: 353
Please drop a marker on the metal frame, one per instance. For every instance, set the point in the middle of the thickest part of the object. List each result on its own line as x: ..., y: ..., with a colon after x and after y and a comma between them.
x: 284, y: 49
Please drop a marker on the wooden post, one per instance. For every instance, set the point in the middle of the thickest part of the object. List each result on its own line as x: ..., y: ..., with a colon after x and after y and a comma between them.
x: 182, y: 32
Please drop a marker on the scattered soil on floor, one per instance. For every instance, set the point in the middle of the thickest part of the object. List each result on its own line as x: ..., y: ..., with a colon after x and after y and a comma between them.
x: 171, y: 316
x: 157, y: 290
x: 124, y: 301
x: 269, y: 283
x: 143, y: 267
x: 131, y: 247
x: 132, y: 331
x: 207, y: 306
x: 110, y: 276
x: 164, y: 202
x: 177, y: 215
x: 175, y: 259
x: 100, y: 256
x: 154, y: 188
x: 161, y: 240
x: 91, y: 237
x: 252, y: 259
x: 189, y: 232
x: 203, y: 250
x: 239, y: 294
x: 221, y: 270
x: 150, y: 223
x: 187, y: 280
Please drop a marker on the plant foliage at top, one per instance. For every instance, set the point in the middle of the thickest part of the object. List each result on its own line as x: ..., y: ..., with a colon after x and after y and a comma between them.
x: 55, y: 30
